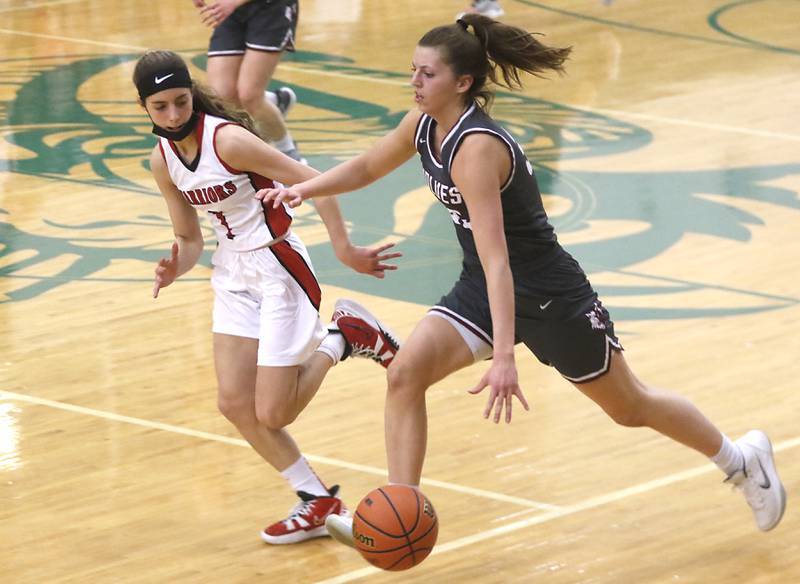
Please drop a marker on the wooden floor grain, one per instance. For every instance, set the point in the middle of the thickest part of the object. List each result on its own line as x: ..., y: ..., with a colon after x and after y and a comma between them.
x: 668, y: 159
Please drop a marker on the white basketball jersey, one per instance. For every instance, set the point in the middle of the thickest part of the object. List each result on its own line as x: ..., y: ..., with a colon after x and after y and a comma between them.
x: 240, y: 220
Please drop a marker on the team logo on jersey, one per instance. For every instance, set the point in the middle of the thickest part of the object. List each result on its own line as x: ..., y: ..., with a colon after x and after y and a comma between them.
x: 68, y: 146
x: 208, y: 195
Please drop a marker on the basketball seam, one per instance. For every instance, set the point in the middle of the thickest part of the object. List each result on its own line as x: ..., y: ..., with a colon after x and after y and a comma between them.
x: 403, y: 542
x: 400, y: 521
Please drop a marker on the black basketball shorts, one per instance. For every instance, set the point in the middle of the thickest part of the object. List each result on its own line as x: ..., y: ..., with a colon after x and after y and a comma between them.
x: 558, y: 317
x: 259, y: 25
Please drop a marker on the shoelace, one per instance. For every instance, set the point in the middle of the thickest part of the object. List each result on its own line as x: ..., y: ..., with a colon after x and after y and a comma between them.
x: 752, y: 492
x: 298, y: 510
x: 750, y: 488
x: 364, y: 351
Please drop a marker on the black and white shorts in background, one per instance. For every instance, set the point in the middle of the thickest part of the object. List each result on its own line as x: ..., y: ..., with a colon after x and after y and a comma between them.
x: 559, y: 318
x: 259, y: 25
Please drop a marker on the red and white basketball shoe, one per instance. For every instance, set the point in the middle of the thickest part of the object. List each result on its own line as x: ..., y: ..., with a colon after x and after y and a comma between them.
x: 365, y: 335
x: 307, y: 519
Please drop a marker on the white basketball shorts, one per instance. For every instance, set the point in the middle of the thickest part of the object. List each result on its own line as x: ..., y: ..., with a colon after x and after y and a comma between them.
x: 270, y: 294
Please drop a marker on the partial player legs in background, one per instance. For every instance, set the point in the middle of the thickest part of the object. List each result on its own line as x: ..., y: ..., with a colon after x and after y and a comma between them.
x: 283, y: 98
x: 241, y: 79
x: 490, y: 8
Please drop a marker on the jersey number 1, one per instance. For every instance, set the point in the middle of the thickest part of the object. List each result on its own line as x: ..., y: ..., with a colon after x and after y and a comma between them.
x: 221, y: 216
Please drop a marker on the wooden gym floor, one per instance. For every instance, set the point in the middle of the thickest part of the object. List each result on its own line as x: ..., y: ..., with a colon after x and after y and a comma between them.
x: 668, y: 157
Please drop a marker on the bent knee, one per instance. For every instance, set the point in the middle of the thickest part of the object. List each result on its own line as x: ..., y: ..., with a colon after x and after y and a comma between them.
x: 251, y: 99
x: 630, y: 417
x: 236, y: 410
x: 403, y: 377
x: 622, y: 397
x: 274, y: 418
x: 229, y: 94
x: 630, y: 411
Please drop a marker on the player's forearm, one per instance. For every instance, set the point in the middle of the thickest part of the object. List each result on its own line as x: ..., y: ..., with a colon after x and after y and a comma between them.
x: 348, y: 176
x: 329, y: 212
x: 189, y: 251
x: 500, y: 288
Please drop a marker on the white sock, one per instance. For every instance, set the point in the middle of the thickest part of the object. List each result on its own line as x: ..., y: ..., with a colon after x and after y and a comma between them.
x: 333, y: 346
x: 729, y: 459
x: 272, y: 98
x: 302, y: 478
x: 284, y: 144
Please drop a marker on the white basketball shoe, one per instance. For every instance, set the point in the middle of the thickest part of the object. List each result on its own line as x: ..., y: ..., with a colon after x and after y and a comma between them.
x: 758, y: 480
x: 340, y: 528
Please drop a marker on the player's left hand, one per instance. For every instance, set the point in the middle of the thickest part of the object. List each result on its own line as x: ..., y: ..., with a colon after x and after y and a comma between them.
x: 502, y: 378
x: 369, y: 260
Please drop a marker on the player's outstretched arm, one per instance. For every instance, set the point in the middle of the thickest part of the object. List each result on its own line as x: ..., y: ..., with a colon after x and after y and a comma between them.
x: 364, y: 260
x: 383, y: 157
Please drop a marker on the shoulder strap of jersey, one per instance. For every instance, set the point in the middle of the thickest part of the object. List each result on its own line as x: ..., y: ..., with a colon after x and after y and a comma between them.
x: 492, y: 132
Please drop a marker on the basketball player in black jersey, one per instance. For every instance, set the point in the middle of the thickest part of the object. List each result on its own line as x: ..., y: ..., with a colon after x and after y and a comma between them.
x: 517, y: 284
x: 249, y: 39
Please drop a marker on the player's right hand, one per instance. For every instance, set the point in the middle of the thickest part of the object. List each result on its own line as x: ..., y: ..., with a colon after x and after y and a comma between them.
x: 501, y: 378
x: 278, y: 196
x: 166, y: 271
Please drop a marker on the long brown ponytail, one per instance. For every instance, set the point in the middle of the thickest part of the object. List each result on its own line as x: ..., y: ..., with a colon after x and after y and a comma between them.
x: 479, y: 46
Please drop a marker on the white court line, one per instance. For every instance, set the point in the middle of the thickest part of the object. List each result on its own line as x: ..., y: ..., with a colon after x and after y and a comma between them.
x: 42, y: 5
x: 240, y: 442
x: 399, y: 83
x: 566, y: 510
x: 72, y: 40
x: 694, y: 124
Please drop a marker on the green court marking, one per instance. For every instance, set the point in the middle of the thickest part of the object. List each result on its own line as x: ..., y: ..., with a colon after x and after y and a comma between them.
x: 714, y: 22
x: 669, y: 203
x: 740, y: 42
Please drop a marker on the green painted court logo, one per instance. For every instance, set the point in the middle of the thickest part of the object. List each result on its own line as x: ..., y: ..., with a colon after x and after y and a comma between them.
x: 84, y: 206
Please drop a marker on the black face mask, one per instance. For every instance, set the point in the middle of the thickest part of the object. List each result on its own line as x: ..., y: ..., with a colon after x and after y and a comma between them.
x: 187, y: 129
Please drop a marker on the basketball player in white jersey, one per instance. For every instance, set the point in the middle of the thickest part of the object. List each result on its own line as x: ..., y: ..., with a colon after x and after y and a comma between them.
x: 518, y: 285
x: 271, y: 351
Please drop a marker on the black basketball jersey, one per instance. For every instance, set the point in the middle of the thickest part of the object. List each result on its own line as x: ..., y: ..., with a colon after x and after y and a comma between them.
x: 530, y: 237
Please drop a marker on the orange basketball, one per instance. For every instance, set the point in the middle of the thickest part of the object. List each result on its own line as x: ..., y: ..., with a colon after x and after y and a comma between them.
x: 395, y: 527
